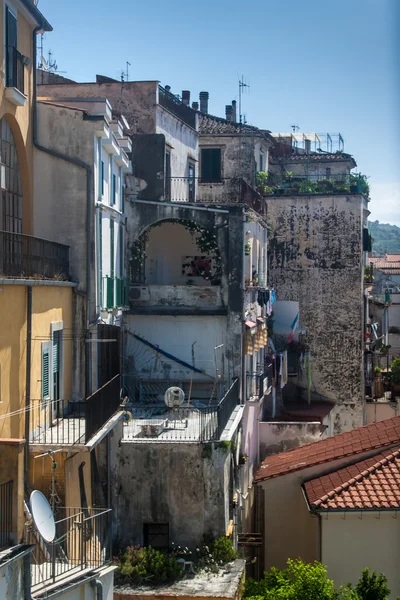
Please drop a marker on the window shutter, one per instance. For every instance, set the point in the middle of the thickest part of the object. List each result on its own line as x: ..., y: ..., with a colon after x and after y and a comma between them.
x: 56, y: 352
x: 45, y: 370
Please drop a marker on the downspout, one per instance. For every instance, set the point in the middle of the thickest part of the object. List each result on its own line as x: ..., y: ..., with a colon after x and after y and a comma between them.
x: 98, y: 586
x: 28, y: 377
x: 27, y: 577
x: 89, y: 176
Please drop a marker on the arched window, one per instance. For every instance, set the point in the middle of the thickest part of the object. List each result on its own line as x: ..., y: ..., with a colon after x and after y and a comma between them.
x: 10, y: 182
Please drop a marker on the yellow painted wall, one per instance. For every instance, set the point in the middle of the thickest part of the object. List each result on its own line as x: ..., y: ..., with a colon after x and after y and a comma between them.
x: 49, y: 304
x: 12, y: 359
x: 19, y: 117
x: 12, y: 469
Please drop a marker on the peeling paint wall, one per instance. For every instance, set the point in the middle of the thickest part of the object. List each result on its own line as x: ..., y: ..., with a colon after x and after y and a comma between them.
x: 281, y: 436
x: 184, y: 485
x: 315, y: 258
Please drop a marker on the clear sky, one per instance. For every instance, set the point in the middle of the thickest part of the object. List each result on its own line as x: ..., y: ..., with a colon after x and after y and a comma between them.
x: 327, y: 66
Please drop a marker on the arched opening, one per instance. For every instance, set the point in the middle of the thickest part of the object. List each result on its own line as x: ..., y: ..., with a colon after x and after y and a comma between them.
x: 11, y: 198
x: 176, y: 252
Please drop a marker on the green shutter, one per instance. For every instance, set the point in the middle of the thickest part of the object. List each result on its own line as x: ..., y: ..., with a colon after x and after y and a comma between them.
x: 45, y: 371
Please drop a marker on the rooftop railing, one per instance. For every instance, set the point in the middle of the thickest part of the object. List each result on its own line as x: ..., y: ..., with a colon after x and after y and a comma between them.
x: 310, y: 184
x: 27, y: 256
x: 176, y: 106
x: 61, y: 422
x: 196, y: 422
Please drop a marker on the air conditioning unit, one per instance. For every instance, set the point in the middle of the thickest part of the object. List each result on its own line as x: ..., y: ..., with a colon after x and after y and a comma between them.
x: 139, y: 293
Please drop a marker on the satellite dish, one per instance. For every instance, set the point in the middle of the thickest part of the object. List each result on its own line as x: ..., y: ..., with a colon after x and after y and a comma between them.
x: 44, y: 64
x: 43, y: 516
x: 174, y: 397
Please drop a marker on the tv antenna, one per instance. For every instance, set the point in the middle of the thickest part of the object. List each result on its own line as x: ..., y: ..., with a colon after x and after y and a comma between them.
x: 50, y: 64
x: 295, y: 128
x: 242, y: 90
x: 125, y: 74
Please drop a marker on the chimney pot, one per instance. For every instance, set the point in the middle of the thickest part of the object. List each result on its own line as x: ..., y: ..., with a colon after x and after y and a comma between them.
x: 204, y: 102
x: 228, y: 112
x: 234, y: 115
x: 186, y: 97
x: 195, y: 105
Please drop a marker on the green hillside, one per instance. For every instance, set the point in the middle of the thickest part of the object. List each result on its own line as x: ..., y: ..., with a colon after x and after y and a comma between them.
x: 386, y: 237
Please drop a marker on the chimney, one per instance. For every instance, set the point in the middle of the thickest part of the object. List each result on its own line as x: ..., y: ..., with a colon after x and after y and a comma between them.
x: 234, y: 116
x: 195, y: 105
x: 307, y: 146
x: 167, y: 88
x: 228, y: 112
x: 186, y: 97
x: 204, y: 102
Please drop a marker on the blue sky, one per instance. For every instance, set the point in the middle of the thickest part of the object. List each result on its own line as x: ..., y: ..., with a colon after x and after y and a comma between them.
x: 325, y: 66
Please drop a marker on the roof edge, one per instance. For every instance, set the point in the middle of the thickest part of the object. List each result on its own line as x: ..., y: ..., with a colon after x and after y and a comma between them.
x: 38, y: 16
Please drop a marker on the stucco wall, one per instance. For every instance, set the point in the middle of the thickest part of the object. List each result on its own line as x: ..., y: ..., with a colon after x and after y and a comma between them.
x: 281, y: 436
x: 351, y: 542
x: 315, y: 258
x: 182, y: 140
x: 378, y: 411
x: 184, y: 485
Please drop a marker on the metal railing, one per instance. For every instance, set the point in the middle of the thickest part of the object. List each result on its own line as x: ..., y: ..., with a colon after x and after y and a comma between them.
x: 82, y: 541
x: 176, y: 106
x: 195, y: 423
x: 27, y: 256
x: 61, y: 422
x: 309, y: 183
x: 232, y: 190
x: 6, y: 513
x: 257, y: 384
x: 15, y: 71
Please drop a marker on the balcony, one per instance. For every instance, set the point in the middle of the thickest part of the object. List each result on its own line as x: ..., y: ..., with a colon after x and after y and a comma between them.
x: 15, y: 76
x: 232, y: 190
x: 200, y: 421
x: 176, y: 107
x: 258, y: 385
x: 177, y: 298
x: 6, y: 514
x: 63, y: 423
x: 25, y: 256
x: 82, y: 543
x: 309, y: 184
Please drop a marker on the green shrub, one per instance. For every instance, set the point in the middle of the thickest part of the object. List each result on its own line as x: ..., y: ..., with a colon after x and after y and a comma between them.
x: 395, y: 369
x: 372, y: 586
x: 223, y: 551
x: 139, y: 565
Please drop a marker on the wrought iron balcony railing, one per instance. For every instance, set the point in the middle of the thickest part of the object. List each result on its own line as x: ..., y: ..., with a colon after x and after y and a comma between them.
x: 27, y: 256
x: 61, y: 422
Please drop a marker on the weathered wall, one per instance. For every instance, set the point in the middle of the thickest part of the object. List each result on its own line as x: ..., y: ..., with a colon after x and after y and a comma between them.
x: 281, y: 436
x: 182, y: 139
x: 379, y: 411
x: 353, y: 541
x: 12, y: 452
x: 315, y: 258
x: 135, y: 100
x: 184, y: 485
x: 12, y: 579
x: 190, y: 338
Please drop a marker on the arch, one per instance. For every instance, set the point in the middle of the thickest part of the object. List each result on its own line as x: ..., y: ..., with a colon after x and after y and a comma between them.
x: 19, y: 217
x: 193, y: 258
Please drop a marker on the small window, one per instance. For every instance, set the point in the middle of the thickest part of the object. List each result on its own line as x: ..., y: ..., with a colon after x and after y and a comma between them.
x: 192, y: 182
x: 262, y: 161
x: 156, y: 535
x: 102, y: 178
x: 14, y: 60
x: 114, y: 189
x: 211, y: 165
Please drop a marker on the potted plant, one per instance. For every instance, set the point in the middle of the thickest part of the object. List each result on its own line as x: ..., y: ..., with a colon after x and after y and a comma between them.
x: 395, y: 376
x: 355, y: 184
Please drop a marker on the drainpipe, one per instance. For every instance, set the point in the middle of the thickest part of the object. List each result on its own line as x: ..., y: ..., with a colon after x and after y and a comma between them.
x: 28, y: 377
x: 27, y: 577
x: 98, y: 585
x: 89, y: 176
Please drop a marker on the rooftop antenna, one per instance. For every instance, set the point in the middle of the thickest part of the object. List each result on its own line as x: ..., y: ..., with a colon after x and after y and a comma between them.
x: 295, y: 128
x: 242, y: 88
x: 125, y: 74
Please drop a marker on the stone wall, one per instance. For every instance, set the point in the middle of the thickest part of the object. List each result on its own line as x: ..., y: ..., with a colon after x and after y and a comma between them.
x: 315, y: 258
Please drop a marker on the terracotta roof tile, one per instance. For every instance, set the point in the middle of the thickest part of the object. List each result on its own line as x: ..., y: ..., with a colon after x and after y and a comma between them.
x: 376, y: 485
x: 350, y: 443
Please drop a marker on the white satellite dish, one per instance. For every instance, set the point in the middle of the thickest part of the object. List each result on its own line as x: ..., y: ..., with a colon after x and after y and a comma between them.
x: 44, y: 64
x: 174, y: 397
x: 43, y: 516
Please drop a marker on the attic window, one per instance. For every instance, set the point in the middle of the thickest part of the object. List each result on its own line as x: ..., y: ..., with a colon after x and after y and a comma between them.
x: 210, y: 165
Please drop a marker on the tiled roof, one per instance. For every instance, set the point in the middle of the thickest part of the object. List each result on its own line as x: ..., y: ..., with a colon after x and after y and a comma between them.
x: 363, y: 439
x: 390, y: 262
x: 370, y: 484
x: 210, y: 125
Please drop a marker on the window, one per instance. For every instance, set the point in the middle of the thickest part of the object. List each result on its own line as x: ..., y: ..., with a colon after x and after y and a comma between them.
x: 11, y: 189
x: 121, y: 251
x: 192, y: 182
x: 102, y: 178
x: 45, y: 370
x: 211, y: 165
x: 14, y: 60
x: 168, y: 175
x: 114, y: 189
x: 262, y: 161
x: 121, y: 192
x: 112, y: 272
x: 156, y: 535
x: 56, y: 363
